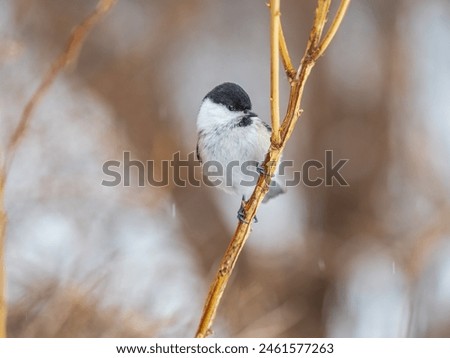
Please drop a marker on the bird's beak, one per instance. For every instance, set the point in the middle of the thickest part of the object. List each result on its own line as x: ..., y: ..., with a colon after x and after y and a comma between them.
x: 250, y: 114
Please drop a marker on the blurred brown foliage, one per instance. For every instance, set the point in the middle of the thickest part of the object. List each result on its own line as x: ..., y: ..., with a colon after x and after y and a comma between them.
x: 54, y: 310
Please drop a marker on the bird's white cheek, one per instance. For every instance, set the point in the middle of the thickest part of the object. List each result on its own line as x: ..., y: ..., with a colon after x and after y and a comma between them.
x: 212, y: 115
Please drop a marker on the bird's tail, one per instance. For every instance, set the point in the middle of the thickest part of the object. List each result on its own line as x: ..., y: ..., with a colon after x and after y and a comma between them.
x: 276, y: 188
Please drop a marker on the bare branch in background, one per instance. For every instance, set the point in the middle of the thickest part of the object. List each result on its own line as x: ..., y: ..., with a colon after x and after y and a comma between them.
x: 273, y: 156
x: 67, y: 58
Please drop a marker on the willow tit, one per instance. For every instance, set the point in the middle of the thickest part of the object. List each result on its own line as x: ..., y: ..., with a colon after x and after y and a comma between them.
x: 235, y: 139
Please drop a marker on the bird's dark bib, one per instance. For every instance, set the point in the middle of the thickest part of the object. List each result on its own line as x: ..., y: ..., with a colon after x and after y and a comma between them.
x: 245, y: 121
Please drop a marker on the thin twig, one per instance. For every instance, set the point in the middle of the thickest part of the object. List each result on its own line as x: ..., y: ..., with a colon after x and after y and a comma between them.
x: 320, y: 19
x: 273, y: 156
x: 68, y: 57
x: 275, y: 70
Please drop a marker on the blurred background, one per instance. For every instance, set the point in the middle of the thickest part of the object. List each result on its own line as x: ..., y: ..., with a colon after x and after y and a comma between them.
x: 367, y: 260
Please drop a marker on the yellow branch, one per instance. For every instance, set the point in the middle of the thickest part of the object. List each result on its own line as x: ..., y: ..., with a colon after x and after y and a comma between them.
x: 3, y: 307
x: 275, y: 70
x: 333, y: 28
x: 320, y: 20
x: 287, y: 62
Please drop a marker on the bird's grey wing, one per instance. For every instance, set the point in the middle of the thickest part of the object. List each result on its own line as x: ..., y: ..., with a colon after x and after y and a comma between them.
x: 269, y: 128
x: 275, y: 189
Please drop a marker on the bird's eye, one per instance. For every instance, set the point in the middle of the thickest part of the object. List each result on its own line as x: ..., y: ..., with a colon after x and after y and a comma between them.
x: 231, y: 107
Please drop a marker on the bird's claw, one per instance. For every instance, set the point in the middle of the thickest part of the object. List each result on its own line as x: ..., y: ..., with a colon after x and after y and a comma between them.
x: 241, y: 213
x: 260, y: 169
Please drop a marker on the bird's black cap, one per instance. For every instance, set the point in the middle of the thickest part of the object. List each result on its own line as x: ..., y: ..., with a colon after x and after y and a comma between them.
x: 230, y: 95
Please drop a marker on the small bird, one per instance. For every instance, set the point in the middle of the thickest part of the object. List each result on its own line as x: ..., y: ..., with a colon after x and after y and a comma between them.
x: 231, y: 136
